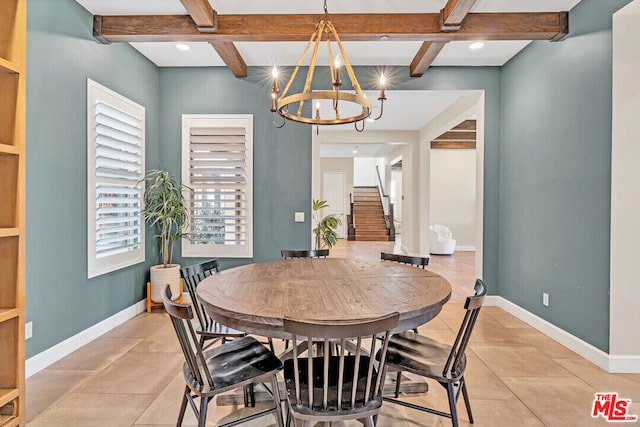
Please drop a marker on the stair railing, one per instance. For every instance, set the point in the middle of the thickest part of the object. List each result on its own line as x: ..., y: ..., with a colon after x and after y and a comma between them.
x: 387, y: 207
x: 351, y: 220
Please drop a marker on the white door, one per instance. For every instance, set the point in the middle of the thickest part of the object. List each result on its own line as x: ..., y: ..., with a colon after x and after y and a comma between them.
x: 333, y: 191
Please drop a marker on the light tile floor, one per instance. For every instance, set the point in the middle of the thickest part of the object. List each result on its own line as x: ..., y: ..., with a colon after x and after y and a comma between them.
x: 131, y: 376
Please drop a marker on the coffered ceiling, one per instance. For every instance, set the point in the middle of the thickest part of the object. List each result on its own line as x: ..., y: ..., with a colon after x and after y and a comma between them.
x: 374, y: 32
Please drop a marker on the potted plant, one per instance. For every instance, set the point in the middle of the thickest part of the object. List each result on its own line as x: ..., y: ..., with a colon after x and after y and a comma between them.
x: 325, y: 229
x: 165, y: 210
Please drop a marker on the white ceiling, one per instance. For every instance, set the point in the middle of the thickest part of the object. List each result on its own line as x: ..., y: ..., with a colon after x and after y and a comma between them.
x: 404, y: 110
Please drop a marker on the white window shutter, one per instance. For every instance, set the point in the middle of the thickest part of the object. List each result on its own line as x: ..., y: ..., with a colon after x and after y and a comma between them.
x: 217, y: 169
x: 115, y: 190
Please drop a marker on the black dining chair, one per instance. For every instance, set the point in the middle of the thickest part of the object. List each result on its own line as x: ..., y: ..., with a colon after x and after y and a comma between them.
x: 417, y: 261
x: 293, y: 253
x: 344, y: 382
x: 313, y: 253
x: 208, y: 328
x: 444, y: 363
x: 242, y: 362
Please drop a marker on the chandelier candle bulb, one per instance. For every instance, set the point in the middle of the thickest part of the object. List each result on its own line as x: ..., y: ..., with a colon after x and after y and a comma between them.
x: 317, y: 109
x: 382, y: 83
x: 274, y: 90
x: 274, y: 73
x: 337, y: 71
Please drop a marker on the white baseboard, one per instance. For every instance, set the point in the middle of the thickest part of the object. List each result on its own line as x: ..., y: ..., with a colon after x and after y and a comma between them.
x: 465, y: 248
x: 624, y: 364
x: 51, y: 355
x: 610, y: 363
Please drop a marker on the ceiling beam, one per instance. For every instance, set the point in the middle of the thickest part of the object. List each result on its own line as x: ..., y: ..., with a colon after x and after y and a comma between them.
x: 206, y: 19
x: 453, y: 14
x: 425, y: 57
x: 451, y: 18
x: 351, y: 27
x: 202, y: 14
x: 231, y: 58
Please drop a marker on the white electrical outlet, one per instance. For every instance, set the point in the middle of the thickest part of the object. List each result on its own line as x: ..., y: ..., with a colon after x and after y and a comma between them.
x: 545, y: 299
x: 299, y: 217
x: 28, y: 330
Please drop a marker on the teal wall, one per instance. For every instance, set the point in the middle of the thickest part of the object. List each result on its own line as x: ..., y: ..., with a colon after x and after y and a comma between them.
x: 61, y: 54
x: 555, y: 175
x: 546, y: 183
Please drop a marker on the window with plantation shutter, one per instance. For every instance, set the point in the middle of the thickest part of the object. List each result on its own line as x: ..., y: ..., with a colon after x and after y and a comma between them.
x: 217, y: 168
x: 115, y: 168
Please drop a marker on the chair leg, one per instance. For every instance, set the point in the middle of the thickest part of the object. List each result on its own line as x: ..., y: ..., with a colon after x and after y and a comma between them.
x: 465, y: 396
x: 451, y: 393
x: 183, y: 406
x: 398, y: 380
x: 368, y: 422
x: 276, y: 400
x: 252, y: 396
x: 202, y: 416
x: 288, y: 413
x: 271, y: 345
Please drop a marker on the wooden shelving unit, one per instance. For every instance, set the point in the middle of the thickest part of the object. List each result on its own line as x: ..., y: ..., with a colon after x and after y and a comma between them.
x: 13, y: 28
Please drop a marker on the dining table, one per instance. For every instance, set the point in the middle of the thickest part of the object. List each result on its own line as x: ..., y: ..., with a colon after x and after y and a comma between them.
x: 254, y: 298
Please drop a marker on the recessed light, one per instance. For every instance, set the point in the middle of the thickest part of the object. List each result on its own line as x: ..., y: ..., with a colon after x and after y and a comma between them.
x: 384, y: 37
x: 476, y: 45
x: 182, y: 46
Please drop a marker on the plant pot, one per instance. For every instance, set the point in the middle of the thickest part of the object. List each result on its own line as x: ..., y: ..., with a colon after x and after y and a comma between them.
x: 160, y: 277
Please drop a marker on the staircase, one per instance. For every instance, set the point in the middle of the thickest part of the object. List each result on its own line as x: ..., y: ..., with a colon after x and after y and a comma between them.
x: 369, y: 215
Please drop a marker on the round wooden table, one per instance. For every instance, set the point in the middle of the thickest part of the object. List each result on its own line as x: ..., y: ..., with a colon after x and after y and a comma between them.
x: 255, y: 297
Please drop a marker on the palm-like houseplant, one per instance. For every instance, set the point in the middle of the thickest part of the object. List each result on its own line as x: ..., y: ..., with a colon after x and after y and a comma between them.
x: 166, y: 211
x: 325, y: 229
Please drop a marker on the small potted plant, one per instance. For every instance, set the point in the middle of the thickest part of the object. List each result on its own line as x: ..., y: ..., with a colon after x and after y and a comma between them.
x: 165, y: 210
x: 325, y: 230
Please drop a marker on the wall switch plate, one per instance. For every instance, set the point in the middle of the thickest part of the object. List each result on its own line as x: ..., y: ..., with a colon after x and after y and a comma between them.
x: 545, y: 299
x: 299, y: 216
x: 28, y: 330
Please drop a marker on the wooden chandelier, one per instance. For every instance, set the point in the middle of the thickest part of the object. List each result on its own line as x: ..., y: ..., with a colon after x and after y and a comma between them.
x: 283, y: 104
